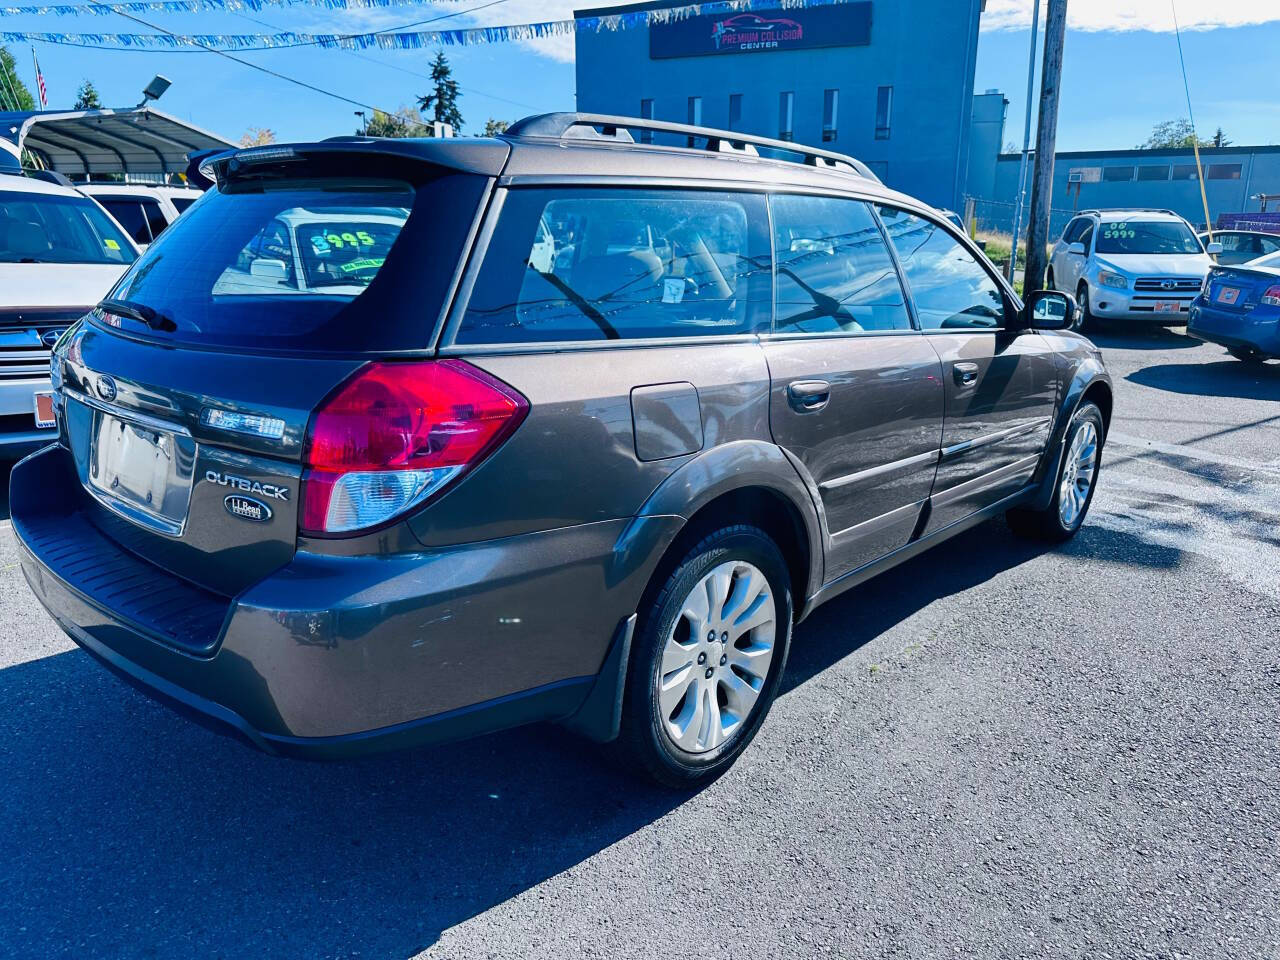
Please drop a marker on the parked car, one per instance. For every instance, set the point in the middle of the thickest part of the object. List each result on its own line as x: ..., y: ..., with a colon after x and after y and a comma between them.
x: 1241, y: 246
x: 495, y: 484
x: 143, y: 209
x: 59, y: 254
x: 1130, y: 265
x: 1239, y: 308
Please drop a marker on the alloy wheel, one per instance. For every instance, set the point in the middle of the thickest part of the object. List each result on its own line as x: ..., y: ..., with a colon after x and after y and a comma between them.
x: 1077, y: 474
x: 716, y: 657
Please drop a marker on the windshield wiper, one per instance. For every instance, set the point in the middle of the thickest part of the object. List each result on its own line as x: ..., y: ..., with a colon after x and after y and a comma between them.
x: 140, y: 312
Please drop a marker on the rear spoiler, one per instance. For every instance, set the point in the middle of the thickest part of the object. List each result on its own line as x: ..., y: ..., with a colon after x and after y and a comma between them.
x: 486, y: 157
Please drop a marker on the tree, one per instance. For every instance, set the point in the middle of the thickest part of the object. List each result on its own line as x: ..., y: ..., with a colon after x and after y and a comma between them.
x: 1220, y: 139
x: 441, y: 104
x: 494, y: 127
x: 1179, y: 135
x: 87, y: 97
x: 257, y: 137
x: 405, y: 122
x: 14, y: 94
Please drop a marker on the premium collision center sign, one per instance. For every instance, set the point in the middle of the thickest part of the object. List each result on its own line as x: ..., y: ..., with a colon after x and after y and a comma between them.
x: 837, y: 25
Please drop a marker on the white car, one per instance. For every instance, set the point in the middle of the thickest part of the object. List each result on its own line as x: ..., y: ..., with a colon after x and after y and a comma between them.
x: 60, y: 253
x: 1131, y: 265
x: 144, y: 210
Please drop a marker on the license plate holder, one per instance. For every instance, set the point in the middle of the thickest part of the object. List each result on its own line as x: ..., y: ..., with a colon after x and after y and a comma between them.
x: 142, y: 472
x: 1168, y: 306
x: 42, y: 406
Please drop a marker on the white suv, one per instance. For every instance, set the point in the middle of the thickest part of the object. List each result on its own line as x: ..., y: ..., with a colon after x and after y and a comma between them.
x: 1130, y: 265
x: 144, y: 210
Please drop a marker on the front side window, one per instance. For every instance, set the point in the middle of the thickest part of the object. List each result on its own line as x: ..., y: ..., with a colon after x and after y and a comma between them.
x: 155, y: 217
x: 1074, y: 229
x: 48, y: 228
x: 603, y: 264
x: 1146, y: 237
x: 835, y: 274
x: 950, y: 288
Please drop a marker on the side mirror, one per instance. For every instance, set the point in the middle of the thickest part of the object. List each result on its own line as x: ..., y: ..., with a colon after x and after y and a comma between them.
x: 1076, y: 249
x: 1213, y: 249
x: 269, y: 270
x: 1050, y: 310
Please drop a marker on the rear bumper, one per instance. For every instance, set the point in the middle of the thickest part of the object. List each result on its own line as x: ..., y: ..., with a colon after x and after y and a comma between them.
x: 336, y: 656
x: 1259, y: 329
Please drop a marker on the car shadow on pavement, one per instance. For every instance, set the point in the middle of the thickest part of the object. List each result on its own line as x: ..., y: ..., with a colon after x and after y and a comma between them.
x: 1229, y: 378
x: 1140, y: 337
x: 129, y: 831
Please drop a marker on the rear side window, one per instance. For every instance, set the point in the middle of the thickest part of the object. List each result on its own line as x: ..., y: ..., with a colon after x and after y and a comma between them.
x: 950, y: 288
x: 835, y: 274
x: 587, y: 264
x: 46, y: 228
x: 181, y: 203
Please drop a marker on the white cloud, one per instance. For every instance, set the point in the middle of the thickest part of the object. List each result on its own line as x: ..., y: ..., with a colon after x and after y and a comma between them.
x: 1125, y: 15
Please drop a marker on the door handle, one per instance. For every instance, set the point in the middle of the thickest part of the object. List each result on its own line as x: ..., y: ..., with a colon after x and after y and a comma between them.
x: 807, y: 396
x: 966, y: 374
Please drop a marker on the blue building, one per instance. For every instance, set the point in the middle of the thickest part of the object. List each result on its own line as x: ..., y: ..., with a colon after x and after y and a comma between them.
x: 1234, y: 179
x: 888, y: 81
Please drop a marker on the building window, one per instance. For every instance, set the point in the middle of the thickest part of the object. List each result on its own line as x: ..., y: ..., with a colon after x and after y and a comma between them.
x: 646, y: 113
x: 884, y: 111
x: 830, y: 109
x: 1185, y: 171
x: 694, y: 115
x: 735, y: 111
x: 786, y: 116
x: 1154, y: 172
x: 1222, y: 171
x: 1117, y: 174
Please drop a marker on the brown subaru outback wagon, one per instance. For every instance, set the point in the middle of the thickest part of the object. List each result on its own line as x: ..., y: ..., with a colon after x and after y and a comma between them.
x: 386, y: 442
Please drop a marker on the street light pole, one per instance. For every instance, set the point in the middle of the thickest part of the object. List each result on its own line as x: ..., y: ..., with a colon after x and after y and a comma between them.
x: 1026, y: 140
x: 1055, y: 35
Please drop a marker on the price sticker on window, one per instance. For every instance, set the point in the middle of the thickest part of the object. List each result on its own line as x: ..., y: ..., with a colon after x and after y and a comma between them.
x: 1118, y: 231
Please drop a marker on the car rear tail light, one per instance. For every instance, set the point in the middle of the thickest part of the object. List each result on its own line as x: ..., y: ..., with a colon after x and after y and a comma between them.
x: 396, y: 434
x: 1271, y: 296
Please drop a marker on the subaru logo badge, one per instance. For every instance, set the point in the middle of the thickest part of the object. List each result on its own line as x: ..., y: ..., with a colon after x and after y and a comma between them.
x: 50, y: 337
x: 247, y: 508
x: 106, y: 388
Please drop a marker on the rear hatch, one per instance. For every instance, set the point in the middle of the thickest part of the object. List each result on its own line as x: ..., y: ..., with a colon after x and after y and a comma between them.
x: 186, y: 396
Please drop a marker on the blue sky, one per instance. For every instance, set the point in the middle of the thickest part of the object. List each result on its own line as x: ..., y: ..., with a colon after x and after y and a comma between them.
x: 1117, y: 82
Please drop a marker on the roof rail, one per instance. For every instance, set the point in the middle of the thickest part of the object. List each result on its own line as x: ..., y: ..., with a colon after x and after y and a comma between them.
x: 1172, y: 213
x: 597, y: 126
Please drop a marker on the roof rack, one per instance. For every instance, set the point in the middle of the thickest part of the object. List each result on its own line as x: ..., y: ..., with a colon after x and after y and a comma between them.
x: 601, y: 127
x: 1171, y: 213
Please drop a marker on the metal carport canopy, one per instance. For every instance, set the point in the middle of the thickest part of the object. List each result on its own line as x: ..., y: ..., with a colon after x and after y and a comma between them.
x: 81, y: 143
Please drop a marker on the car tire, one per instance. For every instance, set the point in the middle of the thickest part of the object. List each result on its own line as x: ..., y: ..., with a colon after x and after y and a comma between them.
x: 1088, y: 322
x: 1245, y: 355
x: 1079, y: 461
x: 684, y: 722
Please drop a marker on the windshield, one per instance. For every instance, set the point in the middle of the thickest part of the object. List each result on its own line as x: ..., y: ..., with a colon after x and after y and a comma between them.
x: 1146, y: 236
x: 49, y: 228
x: 271, y: 264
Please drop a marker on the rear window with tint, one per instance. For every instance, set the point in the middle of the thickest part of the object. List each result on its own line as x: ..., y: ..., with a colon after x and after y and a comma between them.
x: 604, y: 264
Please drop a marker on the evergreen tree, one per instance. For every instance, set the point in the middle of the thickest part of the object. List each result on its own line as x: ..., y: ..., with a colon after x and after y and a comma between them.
x: 14, y: 94
x: 441, y: 104
x: 87, y: 97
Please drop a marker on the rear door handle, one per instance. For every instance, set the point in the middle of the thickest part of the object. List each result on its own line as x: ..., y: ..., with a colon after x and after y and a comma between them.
x: 965, y: 373
x: 807, y: 396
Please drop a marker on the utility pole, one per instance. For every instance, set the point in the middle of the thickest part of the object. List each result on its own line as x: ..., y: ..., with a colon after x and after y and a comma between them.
x: 1026, y: 141
x: 1055, y: 35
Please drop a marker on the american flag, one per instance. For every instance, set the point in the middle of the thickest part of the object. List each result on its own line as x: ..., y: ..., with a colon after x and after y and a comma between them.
x: 44, y: 93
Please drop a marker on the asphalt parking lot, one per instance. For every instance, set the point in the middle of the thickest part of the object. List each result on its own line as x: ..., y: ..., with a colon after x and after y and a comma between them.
x: 996, y: 750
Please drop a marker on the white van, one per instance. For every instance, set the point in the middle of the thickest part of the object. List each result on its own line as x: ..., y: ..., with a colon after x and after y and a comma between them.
x: 60, y: 253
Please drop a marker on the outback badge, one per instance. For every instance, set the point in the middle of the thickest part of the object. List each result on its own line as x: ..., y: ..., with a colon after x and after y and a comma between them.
x: 247, y: 508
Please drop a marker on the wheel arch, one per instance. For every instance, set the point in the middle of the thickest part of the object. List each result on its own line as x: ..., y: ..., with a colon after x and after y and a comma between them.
x: 1089, y: 383
x: 749, y: 482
